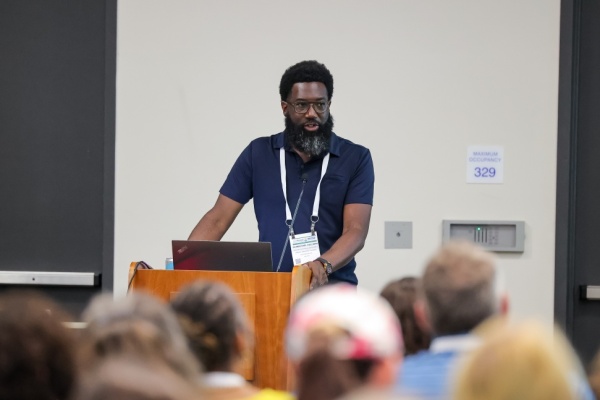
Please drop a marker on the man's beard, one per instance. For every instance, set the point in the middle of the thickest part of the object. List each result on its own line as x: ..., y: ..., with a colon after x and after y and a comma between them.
x: 310, y: 143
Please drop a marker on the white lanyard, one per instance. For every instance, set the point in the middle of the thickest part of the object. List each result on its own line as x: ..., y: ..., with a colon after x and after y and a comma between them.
x: 288, y: 212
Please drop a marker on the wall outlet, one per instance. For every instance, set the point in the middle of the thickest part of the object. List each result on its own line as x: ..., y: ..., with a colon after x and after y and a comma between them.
x: 398, y: 235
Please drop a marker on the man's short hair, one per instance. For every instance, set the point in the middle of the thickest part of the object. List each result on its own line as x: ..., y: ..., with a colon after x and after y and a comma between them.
x: 459, y: 288
x: 305, y: 71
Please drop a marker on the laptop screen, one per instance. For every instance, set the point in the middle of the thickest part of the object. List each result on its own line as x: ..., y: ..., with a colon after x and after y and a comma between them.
x: 222, y: 256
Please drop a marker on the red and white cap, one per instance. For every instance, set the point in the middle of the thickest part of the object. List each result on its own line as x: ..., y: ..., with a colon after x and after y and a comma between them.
x: 370, y: 327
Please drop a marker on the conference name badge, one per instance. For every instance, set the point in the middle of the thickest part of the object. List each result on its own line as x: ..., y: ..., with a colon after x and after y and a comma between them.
x: 305, y: 247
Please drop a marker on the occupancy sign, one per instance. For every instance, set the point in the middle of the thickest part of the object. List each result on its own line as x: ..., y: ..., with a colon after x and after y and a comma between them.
x: 485, y: 164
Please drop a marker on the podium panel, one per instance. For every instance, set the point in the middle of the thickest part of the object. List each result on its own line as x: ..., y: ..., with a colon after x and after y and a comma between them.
x: 267, y: 298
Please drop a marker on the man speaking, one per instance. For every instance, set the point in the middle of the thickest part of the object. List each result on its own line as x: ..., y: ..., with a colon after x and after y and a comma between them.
x: 312, y: 190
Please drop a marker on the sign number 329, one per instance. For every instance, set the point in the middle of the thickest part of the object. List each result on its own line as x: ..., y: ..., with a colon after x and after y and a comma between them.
x: 484, y: 172
x: 485, y: 164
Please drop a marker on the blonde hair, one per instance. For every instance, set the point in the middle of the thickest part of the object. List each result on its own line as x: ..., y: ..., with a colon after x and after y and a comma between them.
x: 524, y: 361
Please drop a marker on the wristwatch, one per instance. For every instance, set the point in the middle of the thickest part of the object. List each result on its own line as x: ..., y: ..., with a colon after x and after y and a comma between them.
x: 326, y: 265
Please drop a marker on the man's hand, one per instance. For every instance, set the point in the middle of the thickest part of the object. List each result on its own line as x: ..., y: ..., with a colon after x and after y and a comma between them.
x: 319, y: 277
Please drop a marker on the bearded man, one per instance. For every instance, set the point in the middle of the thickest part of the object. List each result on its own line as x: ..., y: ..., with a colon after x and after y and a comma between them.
x: 312, y: 190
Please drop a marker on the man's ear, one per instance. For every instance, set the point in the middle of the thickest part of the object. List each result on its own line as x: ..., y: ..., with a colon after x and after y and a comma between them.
x: 241, y: 344
x: 385, y: 372
x: 422, y: 316
x: 242, y: 352
x: 284, y: 108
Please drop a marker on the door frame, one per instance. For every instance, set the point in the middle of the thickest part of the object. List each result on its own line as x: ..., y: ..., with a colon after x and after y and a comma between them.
x: 566, y: 172
x: 110, y: 101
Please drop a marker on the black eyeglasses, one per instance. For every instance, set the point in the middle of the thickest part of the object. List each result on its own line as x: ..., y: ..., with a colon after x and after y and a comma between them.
x: 302, y: 107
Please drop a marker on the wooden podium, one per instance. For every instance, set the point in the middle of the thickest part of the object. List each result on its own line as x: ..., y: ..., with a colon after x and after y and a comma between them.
x: 267, y: 298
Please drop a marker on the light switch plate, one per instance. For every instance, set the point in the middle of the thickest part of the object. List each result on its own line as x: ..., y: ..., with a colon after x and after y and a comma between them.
x: 398, y: 235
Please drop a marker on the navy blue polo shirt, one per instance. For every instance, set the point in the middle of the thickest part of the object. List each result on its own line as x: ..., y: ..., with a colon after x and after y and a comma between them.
x: 256, y: 174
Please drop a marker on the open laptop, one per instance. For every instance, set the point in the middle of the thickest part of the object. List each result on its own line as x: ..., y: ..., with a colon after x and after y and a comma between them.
x: 222, y: 256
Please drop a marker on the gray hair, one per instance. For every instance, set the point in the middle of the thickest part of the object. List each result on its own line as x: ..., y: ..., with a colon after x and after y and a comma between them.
x: 140, y: 326
x: 460, y: 288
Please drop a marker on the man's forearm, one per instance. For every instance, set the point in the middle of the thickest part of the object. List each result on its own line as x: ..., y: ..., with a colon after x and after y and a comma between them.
x: 345, y: 248
x: 217, y: 221
x: 357, y: 218
x: 208, y: 228
x: 342, y: 251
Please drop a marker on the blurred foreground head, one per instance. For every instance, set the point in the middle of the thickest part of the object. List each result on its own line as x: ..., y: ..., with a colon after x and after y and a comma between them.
x: 138, y: 326
x: 525, y: 361
x: 342, y: 339
x: 37, y: 359
x: 461, y: 289
x: 121, y: 378
x: 215, y: 323
x: 402, y: 295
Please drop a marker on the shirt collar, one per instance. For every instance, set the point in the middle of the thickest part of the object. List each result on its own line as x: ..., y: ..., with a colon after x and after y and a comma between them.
x: 222, y: 379
x: 454, y: 343
x: 334, y: 143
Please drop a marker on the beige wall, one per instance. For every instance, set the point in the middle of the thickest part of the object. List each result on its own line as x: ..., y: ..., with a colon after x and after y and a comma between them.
x: 415, y: 81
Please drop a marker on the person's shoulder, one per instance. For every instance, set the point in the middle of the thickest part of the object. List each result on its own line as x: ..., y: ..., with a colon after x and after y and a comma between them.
x: 421, y: 357
x: 343, y: 142
x: 264, y: 145
x: 418, y: 368
x: 272, y: 140
x: 425, y: 357
x: 346, y: 148
x: 426, y: 374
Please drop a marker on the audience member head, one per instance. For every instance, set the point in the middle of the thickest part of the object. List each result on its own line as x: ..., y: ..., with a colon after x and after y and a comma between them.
x: 526, y: 361
x: 459, y: 289
x: 402, y: 294
x: 139, y: 326
x: 121, y: 378
x: 215, y: 324
x: 341, y: 339
x: 37, y: 359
